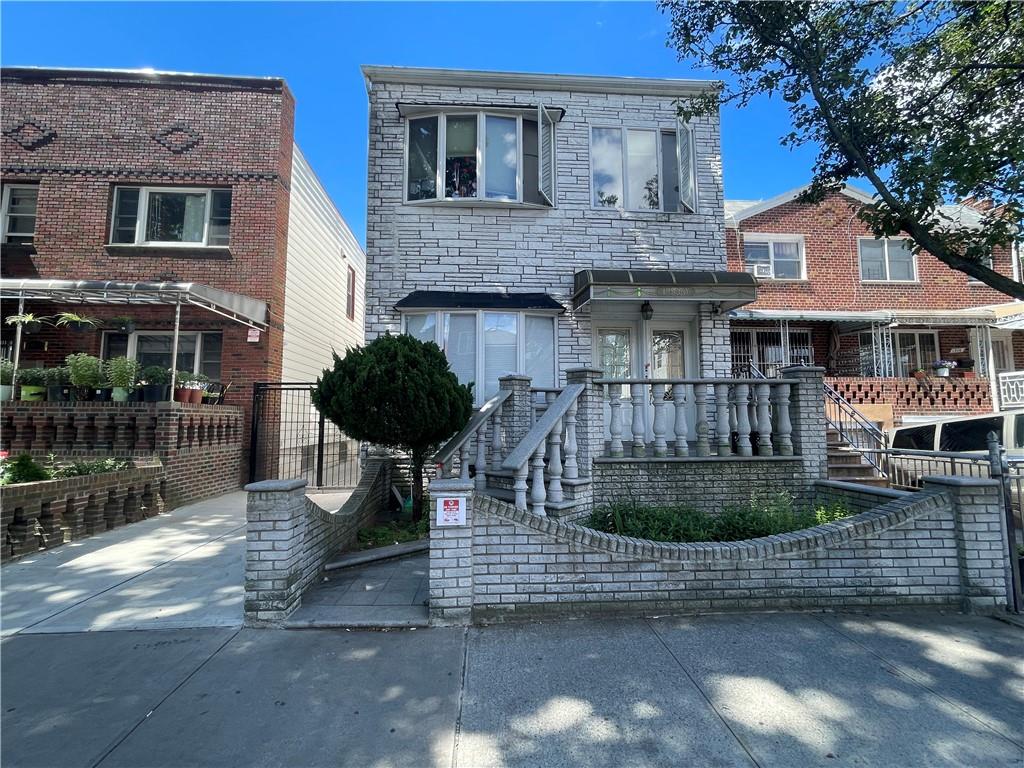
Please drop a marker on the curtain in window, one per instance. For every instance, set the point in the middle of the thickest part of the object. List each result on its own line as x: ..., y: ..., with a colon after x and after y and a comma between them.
x: 540, y: 350
x: 460, y: 345
x: 421, y: 327
x: 500, y: 348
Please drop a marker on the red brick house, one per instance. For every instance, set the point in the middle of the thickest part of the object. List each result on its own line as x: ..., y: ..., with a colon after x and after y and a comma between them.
x: 154, y: 194
x: 870, y: 311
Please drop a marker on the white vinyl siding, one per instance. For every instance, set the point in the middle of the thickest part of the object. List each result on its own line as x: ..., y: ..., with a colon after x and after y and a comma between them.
x: 321, y: 250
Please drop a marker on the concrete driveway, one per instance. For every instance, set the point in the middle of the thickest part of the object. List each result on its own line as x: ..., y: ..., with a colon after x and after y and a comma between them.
x: 181, y: 569
x: 897, y: 690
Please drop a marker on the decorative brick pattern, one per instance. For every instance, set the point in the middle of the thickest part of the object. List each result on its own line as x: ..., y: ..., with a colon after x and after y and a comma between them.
x: 289, y: 539
x: 929, y: 395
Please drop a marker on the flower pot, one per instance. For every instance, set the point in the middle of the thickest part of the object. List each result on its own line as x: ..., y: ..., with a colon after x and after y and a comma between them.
x: 154, y: 393
x: 102, y: 394
x: 79, y: 327
x: 182, y: 395
x: 968, y: 374
x: 33, y: 327
x: 33, y: 394
x: 195, y: 396
x: 84, y: 394
x: 919, y: 375
x: 942, y: 373
x: 6, y: 392
x: 120, y: 394
x: 126, y: 328
x: 58, y: 393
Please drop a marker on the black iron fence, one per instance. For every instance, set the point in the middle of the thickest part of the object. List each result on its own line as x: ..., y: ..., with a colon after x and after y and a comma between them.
x: 290, y: 438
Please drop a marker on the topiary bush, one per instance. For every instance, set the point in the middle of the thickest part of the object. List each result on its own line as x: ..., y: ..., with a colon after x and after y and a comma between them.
x: 397, y: 392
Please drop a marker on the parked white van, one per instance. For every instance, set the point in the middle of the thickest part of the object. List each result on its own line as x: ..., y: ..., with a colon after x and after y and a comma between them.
x: 962, y: 434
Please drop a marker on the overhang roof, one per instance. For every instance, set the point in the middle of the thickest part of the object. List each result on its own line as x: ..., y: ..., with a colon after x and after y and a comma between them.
x: 728, y: 289
x: 243, y: 309
x: 478, y: 300
x: 993, y: 314
x: 417, y: 108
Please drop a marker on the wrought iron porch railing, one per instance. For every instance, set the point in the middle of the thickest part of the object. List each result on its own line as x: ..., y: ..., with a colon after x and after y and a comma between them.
x: 853, y: 427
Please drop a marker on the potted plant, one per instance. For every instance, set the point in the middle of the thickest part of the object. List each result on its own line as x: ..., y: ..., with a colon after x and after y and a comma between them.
x: 33, y: 384
x: 197, y: 384
x: 966, y: 367
x: 155, y: 379
x: 76, y: 322
x: 29, y: 323
x: 122, y: 373
x: 6, y: 380
x: 86, y: 374
x: 123, y: 324
x: 183, y: 387
x: 943, y: 367
x: 919, y: 373
x: 57, y: 389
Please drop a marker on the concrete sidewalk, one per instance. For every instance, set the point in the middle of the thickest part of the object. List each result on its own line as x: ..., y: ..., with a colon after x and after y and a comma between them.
x: 899, y: 690
x: 181, y: 569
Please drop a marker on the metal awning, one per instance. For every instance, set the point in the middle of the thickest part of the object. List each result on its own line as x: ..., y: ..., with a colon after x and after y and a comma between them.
x: 807, y: 315
x: 418, y: 300
x: 726, y: 289
x: 234, y: 306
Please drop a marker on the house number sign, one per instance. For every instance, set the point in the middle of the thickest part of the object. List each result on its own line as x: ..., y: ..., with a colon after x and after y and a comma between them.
x: 451, y: 510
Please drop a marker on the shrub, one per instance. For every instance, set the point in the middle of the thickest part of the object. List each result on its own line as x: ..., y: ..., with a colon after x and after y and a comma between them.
x: 85, y: 370
x: 23, y: 469
x: 397, y: 392
x: 763, y: 515
x: 56, y: 377
x: 96, y: 467
x: 6, y: 373
x: 122, y: 372
x: 156, y: 374
x: 32, y: 377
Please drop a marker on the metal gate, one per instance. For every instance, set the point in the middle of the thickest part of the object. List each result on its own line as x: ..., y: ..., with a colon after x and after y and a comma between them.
x: 291, y: 439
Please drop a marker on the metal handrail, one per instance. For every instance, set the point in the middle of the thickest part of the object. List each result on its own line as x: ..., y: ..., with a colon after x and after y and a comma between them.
x: 697, y: 381
x: 542, y: 428
x: 850, y: 419
x: 478, y: 418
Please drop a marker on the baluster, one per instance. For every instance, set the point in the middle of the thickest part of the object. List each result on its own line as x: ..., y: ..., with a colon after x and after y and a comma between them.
x: 447, y: 468
x: 700, y: 399
x: 637, y: 392
x: 740, y: 392
x: 481, y: 456
x: 537, y: 491
x: 497, y: 446
x: 615, y: 448
x: 682, y: 444
x: 764, y: 420
x: 722, y: 429
x: 784, y: 427
x: 751, y: 411
x: 519, y: 486
x: 570, y: 468
x: 555, y: 463
x: 464, y: 461
x: 660, y: 426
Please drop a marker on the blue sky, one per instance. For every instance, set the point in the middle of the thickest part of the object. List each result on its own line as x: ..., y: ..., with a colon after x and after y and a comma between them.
x: 318, y: 47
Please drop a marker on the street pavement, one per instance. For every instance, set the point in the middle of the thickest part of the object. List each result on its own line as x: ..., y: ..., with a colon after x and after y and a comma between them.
x: 897, y: 690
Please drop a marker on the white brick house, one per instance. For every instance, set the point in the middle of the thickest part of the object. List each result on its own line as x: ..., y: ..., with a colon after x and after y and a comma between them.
x: 537, y: 223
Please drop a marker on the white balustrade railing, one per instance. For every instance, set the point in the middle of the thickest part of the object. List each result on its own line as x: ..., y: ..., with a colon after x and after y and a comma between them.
x: 1011, y: 389
x: 479, y: 444
x: 733, y: 417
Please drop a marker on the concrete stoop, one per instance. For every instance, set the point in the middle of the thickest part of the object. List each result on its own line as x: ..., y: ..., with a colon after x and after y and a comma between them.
x: 359, y: 617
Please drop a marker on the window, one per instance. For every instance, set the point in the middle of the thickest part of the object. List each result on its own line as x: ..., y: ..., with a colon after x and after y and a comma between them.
x: 915, y: 438
x: 171, y: 216
x: 764, y: 349
x: 969, y: 434
x: 613, y: 352
x: 198, y: 352
x: 775, y: 258
x: 643, y: 169
x: 500, y: 156
x: 350, y: 297
x: 915, y: 350
x: 887, y: 260
x: 484, y: 346
x: 19, y: 213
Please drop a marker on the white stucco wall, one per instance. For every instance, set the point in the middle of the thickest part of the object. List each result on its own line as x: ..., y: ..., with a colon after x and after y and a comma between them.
x: 321, y: 249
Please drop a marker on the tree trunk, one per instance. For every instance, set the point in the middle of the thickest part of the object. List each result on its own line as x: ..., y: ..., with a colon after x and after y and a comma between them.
x: 417, y: 486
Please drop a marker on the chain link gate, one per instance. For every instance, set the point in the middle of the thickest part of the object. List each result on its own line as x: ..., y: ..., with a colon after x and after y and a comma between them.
x: 291, y: 439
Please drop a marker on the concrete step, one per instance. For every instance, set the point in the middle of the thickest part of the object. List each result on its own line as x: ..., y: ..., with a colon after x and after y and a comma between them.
x: 377, y: 554
x: 874, y: 480
x: 839, y: 456
x: 358, y: 617
x: 841, y: 471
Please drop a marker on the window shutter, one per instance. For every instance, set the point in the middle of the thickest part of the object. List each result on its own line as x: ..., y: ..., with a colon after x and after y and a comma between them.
x: 546, y: 150
x: 687, y: 179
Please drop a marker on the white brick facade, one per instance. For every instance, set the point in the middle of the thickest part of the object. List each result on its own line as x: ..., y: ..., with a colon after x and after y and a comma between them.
x: 522, y: 249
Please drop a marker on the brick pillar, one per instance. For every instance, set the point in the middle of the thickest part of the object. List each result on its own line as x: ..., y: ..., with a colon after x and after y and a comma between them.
x: 589, y: 417
x: 517, y: 410
x: 985, y: 578
x: 807, y: 413
x: 451, y: 557
x: 275, y: 531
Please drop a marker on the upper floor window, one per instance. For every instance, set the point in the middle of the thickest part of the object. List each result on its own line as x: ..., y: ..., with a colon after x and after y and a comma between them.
x: 19, y: 212
x: 500, y: 156
x: 890, y: 260
x: 641, y: 169
x: 350, y: 298
x: 774, y: 257
x: 171, y: 216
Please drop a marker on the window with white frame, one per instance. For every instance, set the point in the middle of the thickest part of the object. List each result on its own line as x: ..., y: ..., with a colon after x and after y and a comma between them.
x: 172, y: 216
x: 915, y: 350
x: 482, y: 345
x: 890, y: 260
x: 774, y: 257
x: 198, y: 352
x: 643, y: 169
x: 497, y: 156
x: 19, y: 213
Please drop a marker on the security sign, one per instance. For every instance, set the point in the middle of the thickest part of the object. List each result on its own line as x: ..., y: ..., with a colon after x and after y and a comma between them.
x: 451, y: 510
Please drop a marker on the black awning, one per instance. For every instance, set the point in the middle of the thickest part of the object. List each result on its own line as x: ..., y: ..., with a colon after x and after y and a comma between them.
x: 475, y: 300
x: 728, y: 289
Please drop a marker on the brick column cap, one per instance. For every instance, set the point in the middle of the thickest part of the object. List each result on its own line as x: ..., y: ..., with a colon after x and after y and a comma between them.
x: 583, y: 372
x: 513, y: 377
x: 276, y: 486
x: 452, y: 485
x: 951, y: 481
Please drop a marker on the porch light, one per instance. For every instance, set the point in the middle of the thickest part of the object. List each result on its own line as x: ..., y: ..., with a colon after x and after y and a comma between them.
x: 646, y: 310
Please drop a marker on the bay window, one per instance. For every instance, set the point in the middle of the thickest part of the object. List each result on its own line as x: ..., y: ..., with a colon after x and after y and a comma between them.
x: 482, y: 346
x: 890, y: 260
x: 198, y: 352
x: 643, y: 169
x: 501, y: 155
x: 170, y: 216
